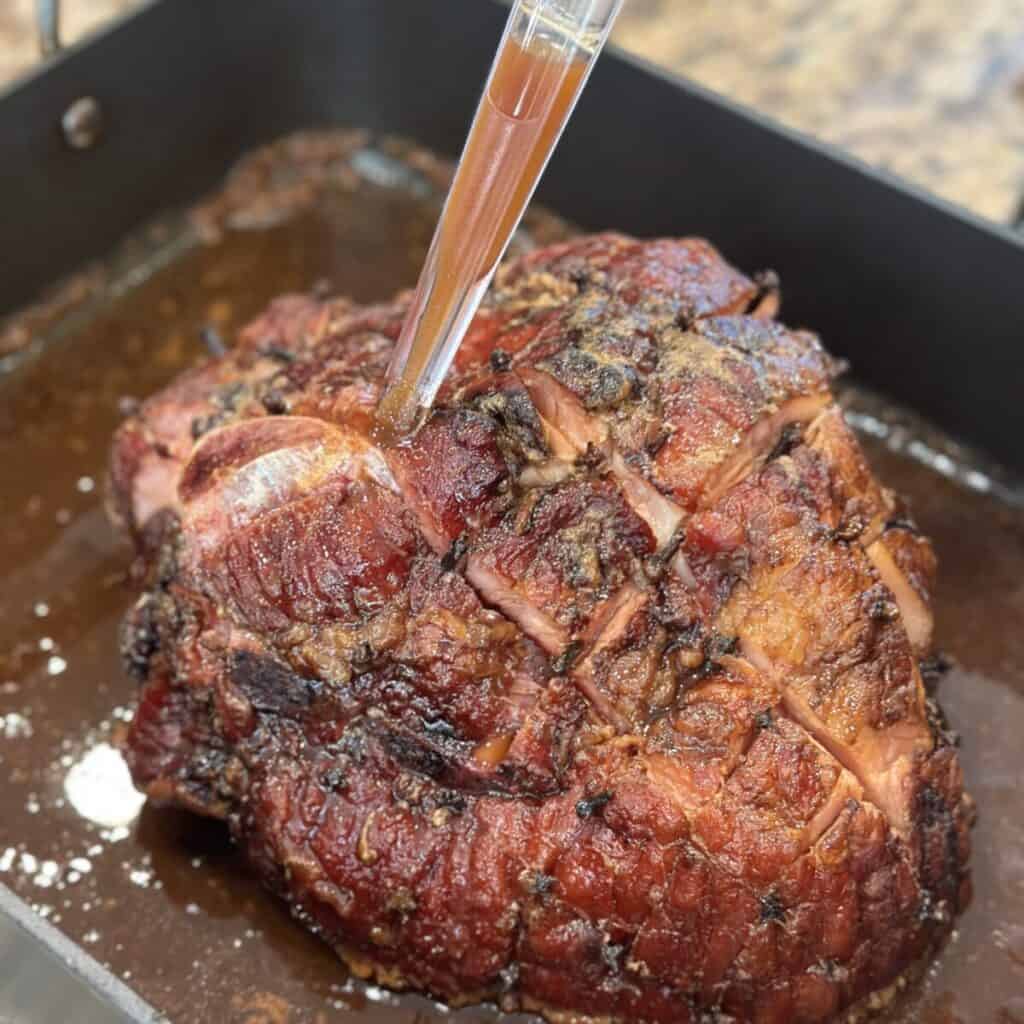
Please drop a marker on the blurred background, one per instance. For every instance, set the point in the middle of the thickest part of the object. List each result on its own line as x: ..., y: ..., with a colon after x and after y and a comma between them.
x: 930, y: 89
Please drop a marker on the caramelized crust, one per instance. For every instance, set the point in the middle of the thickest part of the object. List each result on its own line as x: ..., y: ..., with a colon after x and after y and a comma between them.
x: 599, y: 695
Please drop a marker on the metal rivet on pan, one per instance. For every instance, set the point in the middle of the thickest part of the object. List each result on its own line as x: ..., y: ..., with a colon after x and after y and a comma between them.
x: 82, y: 123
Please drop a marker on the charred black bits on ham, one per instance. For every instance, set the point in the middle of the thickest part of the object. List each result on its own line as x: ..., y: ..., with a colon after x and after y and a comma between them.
x: 592, y: 806
x: 414, y: 755
x: 519, y: 426
x: 537, y: 883
x: 763, y: 719
x: 944, y: 735
x: 228, y: 397
x: 600, y: 384
x: 933, y: 668
x: 718, y: 645
x: 772, y: 908
x: 509, y: 977
x: 594, y: 458
x: 790, y: 436
x: 500, y: 360
x: 352, y: 743
x: 685, y: 651
x: 932, y: 806
x: 735, y: 566
x: 204, y: 424
x: 849, y: 530
x: 334, y: 779
x: 931, y: 909
x: 451, y: 800
x: 165, y: 527
x: 611, y: 955
x: 439, y: 727
x: 271, y: 686
x: 275, y: 402
x: 140, y: 638
x: 455, y: 554
x: 363, y: 657
x: 883, y: 609
x: 565, y: 660
x: 580, y: 275
x: 687, y: 635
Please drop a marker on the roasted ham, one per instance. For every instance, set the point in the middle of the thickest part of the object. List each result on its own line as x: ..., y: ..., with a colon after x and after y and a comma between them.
x: 599, y: 696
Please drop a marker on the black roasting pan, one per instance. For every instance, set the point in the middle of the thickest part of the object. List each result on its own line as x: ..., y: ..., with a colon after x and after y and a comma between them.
x: 923, y: 298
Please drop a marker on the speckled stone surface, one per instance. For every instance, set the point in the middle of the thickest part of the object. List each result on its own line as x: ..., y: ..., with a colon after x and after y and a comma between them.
x: 930, y: 89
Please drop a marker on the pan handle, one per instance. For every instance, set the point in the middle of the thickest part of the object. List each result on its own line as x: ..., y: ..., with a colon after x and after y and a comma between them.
x: 48, y: 26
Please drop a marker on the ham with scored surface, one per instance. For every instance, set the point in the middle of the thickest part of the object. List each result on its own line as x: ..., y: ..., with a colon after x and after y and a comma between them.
x: 601, y: 695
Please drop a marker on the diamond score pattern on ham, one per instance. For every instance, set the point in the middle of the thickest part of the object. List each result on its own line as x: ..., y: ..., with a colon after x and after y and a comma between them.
x: 601, y: 695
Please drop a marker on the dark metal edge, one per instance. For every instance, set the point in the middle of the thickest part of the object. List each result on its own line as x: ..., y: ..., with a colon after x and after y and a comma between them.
x: 85, y: 971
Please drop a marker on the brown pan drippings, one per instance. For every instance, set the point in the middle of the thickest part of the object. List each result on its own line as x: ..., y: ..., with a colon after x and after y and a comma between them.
x: 161, y: 897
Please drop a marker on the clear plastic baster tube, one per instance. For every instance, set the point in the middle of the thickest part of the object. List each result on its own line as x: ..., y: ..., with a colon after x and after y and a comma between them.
x: 542, y: 64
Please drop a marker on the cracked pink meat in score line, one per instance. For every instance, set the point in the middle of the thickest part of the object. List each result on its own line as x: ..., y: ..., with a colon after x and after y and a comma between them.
x: 601, y: 694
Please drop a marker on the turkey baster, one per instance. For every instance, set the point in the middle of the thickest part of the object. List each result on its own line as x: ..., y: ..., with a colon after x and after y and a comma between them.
x: 546, y: 54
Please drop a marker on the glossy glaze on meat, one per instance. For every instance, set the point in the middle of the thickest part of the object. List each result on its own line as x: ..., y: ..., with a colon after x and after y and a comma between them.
x: 600, y: 695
